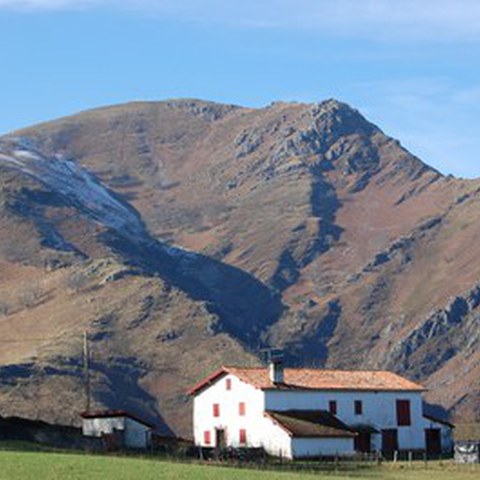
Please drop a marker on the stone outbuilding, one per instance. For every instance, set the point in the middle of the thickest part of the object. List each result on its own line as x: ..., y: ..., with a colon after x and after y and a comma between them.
x: 118, y: 428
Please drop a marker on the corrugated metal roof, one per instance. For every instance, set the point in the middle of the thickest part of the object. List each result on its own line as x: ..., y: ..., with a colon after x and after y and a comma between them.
x: 435, y: 419
x: 115, y: 414
x: 310, y: 423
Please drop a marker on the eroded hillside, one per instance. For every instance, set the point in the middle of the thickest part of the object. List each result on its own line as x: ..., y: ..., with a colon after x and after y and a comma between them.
x: 185, y: 234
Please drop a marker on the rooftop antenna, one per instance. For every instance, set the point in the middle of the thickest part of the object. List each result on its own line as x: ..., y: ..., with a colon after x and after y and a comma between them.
x: 271, y: 355
x: 274, y: 358
x: 86, y: 370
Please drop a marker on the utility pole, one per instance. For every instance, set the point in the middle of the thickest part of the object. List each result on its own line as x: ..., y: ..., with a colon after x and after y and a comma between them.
x: 86, y: 370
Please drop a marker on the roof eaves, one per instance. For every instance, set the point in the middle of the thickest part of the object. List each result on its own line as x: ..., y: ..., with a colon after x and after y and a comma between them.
x: 363, y: 428
x: 277, y: 423
x: 438, y: 420
x: 260, y: 383
x: 287, y: 387
x: 207, y: 380
x: 116, y: 414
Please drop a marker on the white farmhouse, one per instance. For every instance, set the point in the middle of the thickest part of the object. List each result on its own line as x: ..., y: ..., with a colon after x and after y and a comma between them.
x: 120, y: 428
x: 311, y: 412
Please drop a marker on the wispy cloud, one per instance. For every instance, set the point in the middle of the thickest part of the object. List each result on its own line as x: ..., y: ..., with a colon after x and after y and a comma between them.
x: 38, y: 5
x: 434, y: 116
x: 435, y: 20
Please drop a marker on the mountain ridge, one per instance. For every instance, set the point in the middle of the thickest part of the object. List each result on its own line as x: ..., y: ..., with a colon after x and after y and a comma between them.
x: 301, y: 226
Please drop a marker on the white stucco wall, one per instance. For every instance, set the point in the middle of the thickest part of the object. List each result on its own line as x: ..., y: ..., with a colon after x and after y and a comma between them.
x: 379, y: 410
x: 311, y: 447
x: 95, y: 427
x: 229, y: 418
x: 276, y: 441
x: 261, y: 430
x: 445, y: 433
x: 137, y: 435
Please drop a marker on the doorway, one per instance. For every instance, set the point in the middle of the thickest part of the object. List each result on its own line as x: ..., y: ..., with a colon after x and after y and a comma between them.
x: 363, y: 442
x: 433, y: 441
x: 389, y: 440
x: 220, y: 439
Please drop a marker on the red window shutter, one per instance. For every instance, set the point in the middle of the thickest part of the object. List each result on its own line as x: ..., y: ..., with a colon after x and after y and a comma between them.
x: 358, y: 407
x: 241, y: 409
x: 207, y: 439
x: 216, y: 410
x: 228, y: 383
x: 332, y: 407
x: 243, y: 436
x: 403, y: 413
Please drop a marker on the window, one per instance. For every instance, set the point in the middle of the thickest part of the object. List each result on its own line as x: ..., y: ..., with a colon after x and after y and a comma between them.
x: 243, y: 436
x: 216, y: 410
x: 241, y: 409
x: 403, y: 413
x: 332, y: 407
x: 358, y: 407
x: 207, y: 439
x: 228, y: 384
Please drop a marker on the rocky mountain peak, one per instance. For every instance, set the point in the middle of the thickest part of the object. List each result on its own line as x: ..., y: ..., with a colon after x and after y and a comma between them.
x: 208, y: 110
x: 300, y: 226
x: 329, y: 135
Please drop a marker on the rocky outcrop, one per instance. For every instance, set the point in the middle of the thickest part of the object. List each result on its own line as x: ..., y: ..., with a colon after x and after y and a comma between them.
x: 402, y: 247
x: 451, y: 329
x: 186, y: 234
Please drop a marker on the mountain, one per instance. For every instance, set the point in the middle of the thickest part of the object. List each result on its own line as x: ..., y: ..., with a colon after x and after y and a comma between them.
x: 185, y: 234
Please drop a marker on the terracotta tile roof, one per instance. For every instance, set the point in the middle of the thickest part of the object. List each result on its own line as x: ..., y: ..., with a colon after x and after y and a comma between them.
x: 316, y: 379
x: 310, y: 423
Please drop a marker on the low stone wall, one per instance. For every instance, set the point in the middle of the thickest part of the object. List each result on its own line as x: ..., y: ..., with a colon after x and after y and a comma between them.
x: 59, y: 436
x: 467, y: 452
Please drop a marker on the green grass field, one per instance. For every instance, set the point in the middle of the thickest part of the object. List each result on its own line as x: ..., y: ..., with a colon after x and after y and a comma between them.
x: 39, y: 465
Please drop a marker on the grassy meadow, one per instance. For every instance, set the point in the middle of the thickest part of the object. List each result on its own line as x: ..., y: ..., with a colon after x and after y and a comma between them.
x: 30, y: 464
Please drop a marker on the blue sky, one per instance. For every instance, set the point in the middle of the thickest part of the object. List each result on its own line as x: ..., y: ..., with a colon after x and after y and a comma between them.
x: 411, y: 66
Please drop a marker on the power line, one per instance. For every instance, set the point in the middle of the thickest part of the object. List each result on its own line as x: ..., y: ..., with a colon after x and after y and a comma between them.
x: 86, y: 368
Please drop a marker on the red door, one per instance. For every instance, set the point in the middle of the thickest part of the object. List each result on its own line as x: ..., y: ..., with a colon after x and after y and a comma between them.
x: 363, y: 442
x: 389, y: 440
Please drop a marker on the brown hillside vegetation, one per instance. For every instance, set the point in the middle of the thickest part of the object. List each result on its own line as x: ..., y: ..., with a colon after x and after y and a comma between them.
x: 299, y: 226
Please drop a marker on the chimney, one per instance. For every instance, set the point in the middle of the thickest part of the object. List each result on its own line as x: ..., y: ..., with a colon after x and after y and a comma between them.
x: 275, y: 367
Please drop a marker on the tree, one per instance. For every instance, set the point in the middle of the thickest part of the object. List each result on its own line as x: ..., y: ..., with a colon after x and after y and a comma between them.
x: 4, y: 308
x: 30, y: 295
